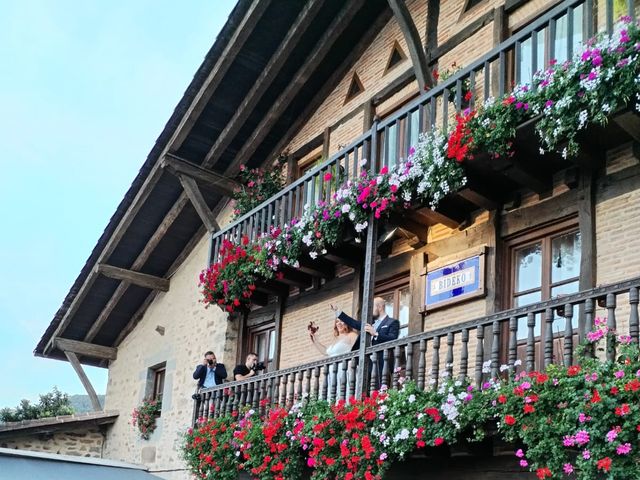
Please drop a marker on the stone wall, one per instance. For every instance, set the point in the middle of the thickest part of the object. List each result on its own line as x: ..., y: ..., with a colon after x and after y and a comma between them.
x: 81, y: 441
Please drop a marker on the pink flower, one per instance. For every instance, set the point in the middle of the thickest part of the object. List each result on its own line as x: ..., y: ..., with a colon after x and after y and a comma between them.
x: 612, y: 435
x: 524, y: 463
x: 328, y: 176
x: 384, y: 170
x: 623, y: 449
x: 619, y: 374
x: 586, y: 454
x: 582, y: 437
x: 519, y: 453
x: 567, y: 468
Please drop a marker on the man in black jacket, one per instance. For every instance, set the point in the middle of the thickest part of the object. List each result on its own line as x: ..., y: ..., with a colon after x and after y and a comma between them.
x: 210, y: 373
x: 384, y: 328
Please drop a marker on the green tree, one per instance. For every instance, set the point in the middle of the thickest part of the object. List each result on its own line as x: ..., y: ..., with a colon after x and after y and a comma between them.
x: 50, y: 404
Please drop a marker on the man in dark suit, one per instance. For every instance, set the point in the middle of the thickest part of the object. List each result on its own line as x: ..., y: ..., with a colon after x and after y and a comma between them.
x: 210, y: 373
x: 384, y: 328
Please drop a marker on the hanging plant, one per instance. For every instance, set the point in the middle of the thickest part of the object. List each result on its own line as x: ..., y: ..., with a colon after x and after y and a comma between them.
x: 143, y: 417
x: 258, y: 185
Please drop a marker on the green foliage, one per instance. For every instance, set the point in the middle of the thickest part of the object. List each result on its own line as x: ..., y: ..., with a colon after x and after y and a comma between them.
x: 143, y: 417
x: 258, y: 185
x: 51, y: 404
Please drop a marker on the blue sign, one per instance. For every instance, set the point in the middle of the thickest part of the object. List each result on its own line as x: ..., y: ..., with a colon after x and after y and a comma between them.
x: 455, y: 282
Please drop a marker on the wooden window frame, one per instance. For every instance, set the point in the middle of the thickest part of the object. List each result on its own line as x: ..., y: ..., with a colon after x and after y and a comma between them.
x: 540, y: 234
x: 159, y: 376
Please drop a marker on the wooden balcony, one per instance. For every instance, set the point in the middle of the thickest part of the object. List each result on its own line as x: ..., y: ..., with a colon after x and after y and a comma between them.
x: 527, y: 338
x: 491, y: 182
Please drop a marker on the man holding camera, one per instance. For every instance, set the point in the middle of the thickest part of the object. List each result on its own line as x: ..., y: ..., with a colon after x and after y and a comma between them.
x: 250, y: 367
x: 210, y: 373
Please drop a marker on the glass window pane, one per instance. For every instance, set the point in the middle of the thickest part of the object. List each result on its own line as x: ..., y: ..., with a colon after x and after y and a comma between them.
x: 272, y: 344
x: 403, y: 314
x: 391, y: 146
x: 528, y: 268
x: 560, y: 47
x: 578, y: 32
x: 415, y: 130
x: 566, y: 289
x: 525, y: 62
x: 565, y: 257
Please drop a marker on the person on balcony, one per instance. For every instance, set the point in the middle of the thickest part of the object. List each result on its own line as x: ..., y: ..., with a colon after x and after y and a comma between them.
x: 210, y: 373
x: 247, y: 369
x: 345, y: 338
x: 384, y: 329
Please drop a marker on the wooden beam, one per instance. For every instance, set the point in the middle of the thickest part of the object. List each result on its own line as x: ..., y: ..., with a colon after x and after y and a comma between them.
x: 478, y: 197
x: 239, y: 36
x: 295, y: 278
x: 197, y: 199
x: 269, y: 73
x: 335, y: 78
x: 414, y: 43
x: 433, y: 15
x: 137, y: 278
x: 137, y: 265
x: 86, y: 349
x: 319, y: 267
x: 630, y: 123
x: 326, y: 143
x: 338, y: 25
x: 419, y: 231
x: 345, y: 254
x: 273, y: 287
x: 219, y: 183
x: 587, y: 222
x: 73, y: 360
x: 464, y: 34
x: 427, y: 216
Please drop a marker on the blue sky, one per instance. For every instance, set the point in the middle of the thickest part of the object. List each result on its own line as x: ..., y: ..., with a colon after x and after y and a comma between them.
x: 85, y: 89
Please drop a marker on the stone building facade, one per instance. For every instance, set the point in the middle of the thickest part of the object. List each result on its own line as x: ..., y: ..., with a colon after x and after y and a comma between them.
x: 172, y: 330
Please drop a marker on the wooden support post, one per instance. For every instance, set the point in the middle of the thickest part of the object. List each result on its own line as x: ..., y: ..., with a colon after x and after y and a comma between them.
x: 137, y: 278
x: 416, y: 291
x: 588, y: 251
x: 368, y: 289
x: 278, y: 328
x: 414, y: 44
x: 197, y: 199
x: 433, y: 14
x: 356, y: 302
x: 86, y: 349
x: 75, y: 363
x: 179, y: 166
x: 326, y: 141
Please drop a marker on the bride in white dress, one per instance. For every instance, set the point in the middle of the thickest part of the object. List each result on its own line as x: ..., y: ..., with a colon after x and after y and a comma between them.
x: 345, y: 337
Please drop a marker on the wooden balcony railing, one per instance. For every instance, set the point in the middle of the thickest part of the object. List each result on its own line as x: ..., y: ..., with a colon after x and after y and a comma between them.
x: 555, y: 34
x: 534, y: 336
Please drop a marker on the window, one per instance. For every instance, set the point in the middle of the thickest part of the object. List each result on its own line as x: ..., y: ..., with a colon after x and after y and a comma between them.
x: 355, y: 88
x: 158, y: 383
x: 259, y: 336
x: 398, y: 137
x: 398, y: 297
x: 561, y: 48
x: 544, y: 265
x: 396, y: 57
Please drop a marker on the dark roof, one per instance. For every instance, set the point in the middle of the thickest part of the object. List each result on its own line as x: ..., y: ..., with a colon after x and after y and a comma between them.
x: 21, y: 464
x: 61, y: 422
x: 248, y: 60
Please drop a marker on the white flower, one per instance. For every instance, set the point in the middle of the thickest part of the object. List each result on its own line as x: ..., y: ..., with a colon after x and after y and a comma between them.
x: 324, y: 251
x: 517, y: 363
x: 346, y: 208
x: 363, y: 162
x: 504, y: 367
x: 412, y: 398
x: 313, y: 255
x: 361, y: 226
x: 486, y: 367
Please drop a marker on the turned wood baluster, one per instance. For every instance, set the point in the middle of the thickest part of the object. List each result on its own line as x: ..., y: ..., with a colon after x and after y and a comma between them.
x: 611, y: 323
x: 215, y: 399
x: 422, y: 349
x: 292, y: 383
x: 244, y: 391
x: 343, y: 379
x: 568, y: 334
x: 435, y: 362
x: 479, y: 355
x: 332, y: 384
x: 384, y: 379
x: 588, y: 324
x: 315, y: 386
x: 548, y: 337
x: 448, y: 365
x: 373, y: 384
x: 531, y: 342
x: 307, y: 382
x: 267, y: 398
x: 282, y: 390
x: 396, y: 366
x: 634, y: 323
x: 199, y: 407
x: 464, y: 354
x: 297, y: 386
x: 237, y: 397
x: 409, y: 358
x: 353, y: 371
x: 325, y: 382
x: 513, y: 343
x: 223, y: 403
x: 255, y: 394
x: 495, y: 350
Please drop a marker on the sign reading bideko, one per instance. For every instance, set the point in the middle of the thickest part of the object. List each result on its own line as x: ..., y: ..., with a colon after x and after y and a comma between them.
x: 455, y: 282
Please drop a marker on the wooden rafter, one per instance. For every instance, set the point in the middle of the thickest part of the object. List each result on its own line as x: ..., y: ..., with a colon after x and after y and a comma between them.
x: 237, y: 40
x: 426, y: 216
x: 269, y: 73
x: 279, y: 105
x: 199, y: 203
x: 86, y: 349
x: 137, y: 278
x: 219, y: 183
x: 414, y: 44
x: 75, y: 363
